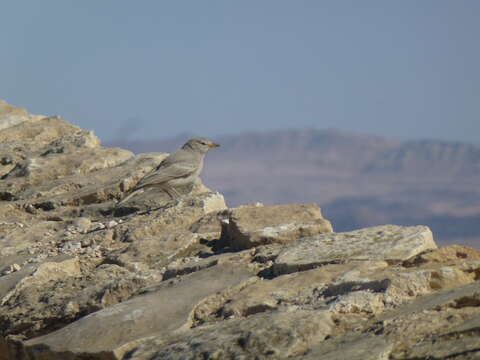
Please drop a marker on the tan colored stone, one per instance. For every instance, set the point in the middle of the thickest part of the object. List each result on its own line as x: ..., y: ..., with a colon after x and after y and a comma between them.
x: 96, y: 187
x: 174, y: 216
x: 21, y: 239
x: 466, y: 295
x: 461, y: 348
x: 210, y: 225
x: 155, y: 250
x: 161, y: 310
x: 357, y: 348
x: 35, y: 136
x: 440, y: 325
x: 297, y: 289
x: 18, y: 288
x: 355, y: 302
x: 277, y: 335
x: 12, y: 115
x: 250, y: 226
x: 186, y: 265
x: 36, y: 170
x: 389, y: 243
x: 453, y: 254
x: 415, y: 282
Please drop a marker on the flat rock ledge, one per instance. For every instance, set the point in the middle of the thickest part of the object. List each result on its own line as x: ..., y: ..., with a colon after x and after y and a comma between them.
x: 83, y: 278
x: 390, y: 243
x: 250, y: 226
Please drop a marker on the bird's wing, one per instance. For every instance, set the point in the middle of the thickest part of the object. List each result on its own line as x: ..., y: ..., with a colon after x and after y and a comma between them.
x: 173, y: 167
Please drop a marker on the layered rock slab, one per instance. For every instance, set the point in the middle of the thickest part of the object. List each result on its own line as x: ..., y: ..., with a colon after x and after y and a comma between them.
x: 389, y: 243
x: 117, y: 260
x: 353, y: 287
x: 49, y: 148
x: 99, y: 186
x: 155, y: 238
x: 356, y: 348
x: 53, y: 269
x: 277, y: 335
x: 250, y: 226
x: 441, y: 325
x: 160, y: 310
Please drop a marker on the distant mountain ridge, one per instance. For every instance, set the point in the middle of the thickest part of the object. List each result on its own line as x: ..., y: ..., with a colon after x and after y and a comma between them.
x: 366, y: 152
x: 357, y: 179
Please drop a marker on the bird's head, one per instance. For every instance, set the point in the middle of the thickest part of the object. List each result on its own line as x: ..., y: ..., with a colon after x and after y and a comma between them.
x: 201, y: 145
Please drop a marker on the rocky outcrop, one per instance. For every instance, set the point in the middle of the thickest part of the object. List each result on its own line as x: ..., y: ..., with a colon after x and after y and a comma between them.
x: 190, y: 278
x: 251, y: 226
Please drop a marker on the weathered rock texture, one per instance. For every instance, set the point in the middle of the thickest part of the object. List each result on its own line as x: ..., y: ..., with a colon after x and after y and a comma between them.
x: 250, y: 226
x: 188, y: 278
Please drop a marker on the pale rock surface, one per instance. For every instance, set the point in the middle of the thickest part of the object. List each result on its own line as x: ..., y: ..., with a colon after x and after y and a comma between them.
x: 91, y: 189
x: 297, y: 289
x: 160, y: 310
x: 442, y: 325
x: 358, y: 348
x: 389, y: 243
x: 24, y: 144
x: 187, y: 265
x: 13, y: 115
x: 250, y: 226
x: 280, y: 335
x: 56, y: 268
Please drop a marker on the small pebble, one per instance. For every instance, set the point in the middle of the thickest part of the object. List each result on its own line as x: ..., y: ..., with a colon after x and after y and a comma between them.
x: 111, y: 224
x: 72, y: 246
x: 98, y: 226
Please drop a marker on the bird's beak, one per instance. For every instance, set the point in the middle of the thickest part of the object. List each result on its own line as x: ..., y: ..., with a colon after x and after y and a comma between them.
x: 213, y: 146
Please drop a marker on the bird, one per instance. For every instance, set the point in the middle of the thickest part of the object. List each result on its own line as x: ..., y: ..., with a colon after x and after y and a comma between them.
x: 178, y: 169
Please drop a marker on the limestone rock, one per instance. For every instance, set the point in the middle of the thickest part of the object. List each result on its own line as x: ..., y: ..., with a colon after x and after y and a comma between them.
x: 356, y: 348
x: 390, y: 243
x: 153, y: 198
x: 100, y: 186
x: 463, y: 296
x: 250, y: 226
x: 265, y: 336
x: 211, y: 224
x: 187, y: 265
x: 306, y: 289
x: 447, y: 255
x: 159, y: 237
x: 36, y: 137
x: 439, y: 325
x: 20, y: 292
x: 161, y: 310
x: 40, y: 169
x: 12, y: 115
x: 36, y: 273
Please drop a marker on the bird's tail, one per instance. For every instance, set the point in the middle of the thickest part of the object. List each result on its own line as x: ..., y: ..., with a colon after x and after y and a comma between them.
x: 129, y: 196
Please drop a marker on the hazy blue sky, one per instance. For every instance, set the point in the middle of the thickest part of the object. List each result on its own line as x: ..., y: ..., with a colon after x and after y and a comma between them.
x: 406, y: 68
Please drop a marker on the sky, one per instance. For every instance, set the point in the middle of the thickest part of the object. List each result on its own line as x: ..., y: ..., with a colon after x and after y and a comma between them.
x: 154, y: 69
